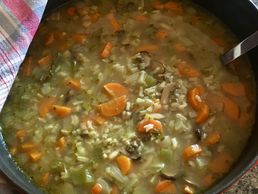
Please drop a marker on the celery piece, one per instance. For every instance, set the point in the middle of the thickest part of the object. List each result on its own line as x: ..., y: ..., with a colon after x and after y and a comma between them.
x: 114, y: 173
x: 81, y: 176
x: 66, y: 188
x: 149, y: 81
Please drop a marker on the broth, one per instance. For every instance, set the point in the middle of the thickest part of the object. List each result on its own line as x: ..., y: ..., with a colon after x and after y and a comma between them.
x: 129, y: 98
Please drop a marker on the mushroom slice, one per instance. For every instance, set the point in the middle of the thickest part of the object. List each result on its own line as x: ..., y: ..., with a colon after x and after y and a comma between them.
x: 142, y: 59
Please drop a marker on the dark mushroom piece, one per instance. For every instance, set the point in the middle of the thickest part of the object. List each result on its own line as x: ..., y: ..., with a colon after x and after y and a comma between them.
x: 134, y: 148
x: 170, y: 174
x: 142, y: 59
x: 198, y: 132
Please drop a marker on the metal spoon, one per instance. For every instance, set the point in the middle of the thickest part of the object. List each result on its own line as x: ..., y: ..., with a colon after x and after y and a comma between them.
x: 243, y: 47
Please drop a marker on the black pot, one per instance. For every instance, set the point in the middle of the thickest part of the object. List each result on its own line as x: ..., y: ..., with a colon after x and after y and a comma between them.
x: 242, y: 17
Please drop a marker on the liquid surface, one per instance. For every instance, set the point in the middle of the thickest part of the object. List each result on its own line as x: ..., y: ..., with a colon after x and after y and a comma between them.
x: 129, y: 98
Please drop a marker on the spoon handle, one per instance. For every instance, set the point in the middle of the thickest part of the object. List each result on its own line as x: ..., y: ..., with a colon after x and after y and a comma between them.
x: 243, y: 47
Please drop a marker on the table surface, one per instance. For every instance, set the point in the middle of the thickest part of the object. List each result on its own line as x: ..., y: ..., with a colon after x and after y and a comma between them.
x: 248, y: 184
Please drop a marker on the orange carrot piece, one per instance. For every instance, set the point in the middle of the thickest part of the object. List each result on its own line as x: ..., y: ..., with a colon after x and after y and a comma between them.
x: 45, y: 106
x: 60, y: 143
x: 71, y: 11
x: 158, y: 5
x: 213, y: 138
x: 221, y: 163
x: 79, y: 38
x: 191, y: 151
x: 94, y: 17
x: 231, y: 109
x: 114, y: 23
x: 208, y: 180
x: 192, y: 97
x: 35, y: 156
x: 124, y: 163
x: 115, y: 89
x: 165, y: 186
x: 25, y: 147
x: 21, y: 133
x: 140, y: 18
x: 235, y: 89
x: 174, y: 6
x: 202, y: 113
x: 180, y: 47
x: 154, y: 125
x: 74, y: 84
x: 61, y: 111
x: 96, y: 189
x: 45, y: 60
x: 113, y: 107
x: 151, y: 48
x: 161, y: 34
x: 50, y: 39
x: 187, y: 70
x: 45, y: 179
x: 106, y: 52
x: 27, y: 67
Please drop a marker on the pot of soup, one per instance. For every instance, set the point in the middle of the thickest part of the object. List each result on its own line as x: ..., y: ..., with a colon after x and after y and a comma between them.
x: 131, y: 97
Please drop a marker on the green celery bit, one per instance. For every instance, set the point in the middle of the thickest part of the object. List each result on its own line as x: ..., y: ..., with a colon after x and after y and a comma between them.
x: 150, y: 81
x: 81, y: 176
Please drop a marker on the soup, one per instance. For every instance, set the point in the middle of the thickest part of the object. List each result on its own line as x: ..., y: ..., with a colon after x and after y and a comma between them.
x: 129, y: 98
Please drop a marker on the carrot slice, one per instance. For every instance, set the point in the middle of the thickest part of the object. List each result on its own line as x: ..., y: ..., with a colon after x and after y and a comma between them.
x: 192, y: 97
x: 161, y: 34
x: 50, y: 39
x: 147, y: 125
x: 235, y: 89
x: 45, y: 106
x: 45, y: 60
x: 74, y: 84
x: 79, y: 38
x: 35, y: 156
x: 71, y: 11
x: 96, y: 189
x: 45, y: 178
x: 21, y: 133
x: 221, y: 163
x: 113, y: 107
x: 187, y: 70
x: 124, y: 163
x: 61, y: 111
x: 27, y: 67
x: 151, y: 48
x: 114, y: 23
x: 115, y: 89
x: 60, y: 143
x: 165, y: 186
x: 63, y: 47
x: 213, y: 138
x: 141, y: 18
x: 231, y: 109
x: 174, y: 6
x: 25, y: 147
x: 202, y: 113
x: 106, y: 52
x: 191, y: 151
